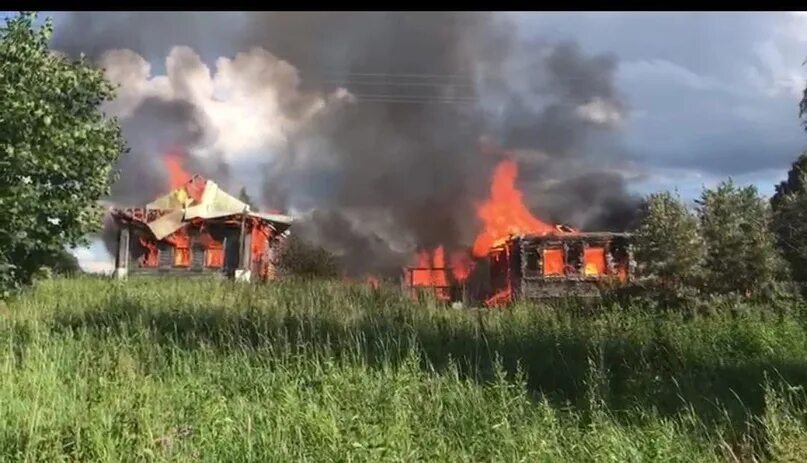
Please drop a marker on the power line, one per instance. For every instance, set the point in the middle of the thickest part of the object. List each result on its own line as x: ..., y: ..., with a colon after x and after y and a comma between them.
x: 404, y: 75
x: 399, y: 84
x: 413, y: 97
x: 423, y: 101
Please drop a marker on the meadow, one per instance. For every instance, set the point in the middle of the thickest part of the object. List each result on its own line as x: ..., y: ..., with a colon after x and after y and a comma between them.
x: 173, y: 370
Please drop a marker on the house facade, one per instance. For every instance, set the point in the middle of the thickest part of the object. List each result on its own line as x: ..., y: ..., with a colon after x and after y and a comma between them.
x: 197, y: 229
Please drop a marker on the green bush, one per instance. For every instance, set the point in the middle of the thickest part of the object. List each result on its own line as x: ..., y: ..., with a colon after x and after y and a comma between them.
x: 297, y: 258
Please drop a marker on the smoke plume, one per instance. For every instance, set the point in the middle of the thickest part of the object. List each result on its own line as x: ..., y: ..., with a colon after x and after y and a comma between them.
x: 380, y: 129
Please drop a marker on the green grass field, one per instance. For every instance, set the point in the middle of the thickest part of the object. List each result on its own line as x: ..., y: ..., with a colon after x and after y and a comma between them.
x: 169, y: 370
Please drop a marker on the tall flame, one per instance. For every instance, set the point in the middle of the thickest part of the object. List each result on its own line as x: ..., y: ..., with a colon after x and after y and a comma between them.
x: 461, y: 265
x: 176, y: 172
x: 439, y: 264
x: 505, y: 213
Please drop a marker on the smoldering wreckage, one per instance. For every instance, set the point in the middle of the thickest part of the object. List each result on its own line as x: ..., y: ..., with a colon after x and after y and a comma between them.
x: 428, y: 169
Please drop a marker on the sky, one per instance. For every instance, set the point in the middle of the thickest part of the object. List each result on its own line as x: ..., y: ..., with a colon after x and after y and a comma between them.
x: 711, y: 95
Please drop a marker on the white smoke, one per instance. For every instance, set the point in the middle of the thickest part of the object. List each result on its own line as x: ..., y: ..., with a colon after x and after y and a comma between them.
x: 601, y: 112
x: 251, y: 102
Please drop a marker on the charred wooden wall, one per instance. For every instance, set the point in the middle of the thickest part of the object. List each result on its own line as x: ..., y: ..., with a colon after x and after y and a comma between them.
x: 530, y: 282
x: 231, y: 249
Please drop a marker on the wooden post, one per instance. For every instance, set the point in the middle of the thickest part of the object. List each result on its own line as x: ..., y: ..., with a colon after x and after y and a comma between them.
x: 243, y: 272
x: 122, y: 258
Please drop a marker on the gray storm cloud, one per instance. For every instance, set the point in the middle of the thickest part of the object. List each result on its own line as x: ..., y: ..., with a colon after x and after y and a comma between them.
x: 377, y: 127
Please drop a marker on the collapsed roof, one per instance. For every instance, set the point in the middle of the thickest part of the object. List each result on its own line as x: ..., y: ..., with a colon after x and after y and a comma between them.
x: 200, y: 198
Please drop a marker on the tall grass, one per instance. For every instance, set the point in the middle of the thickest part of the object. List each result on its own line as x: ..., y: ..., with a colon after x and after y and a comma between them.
x: 173, y: 370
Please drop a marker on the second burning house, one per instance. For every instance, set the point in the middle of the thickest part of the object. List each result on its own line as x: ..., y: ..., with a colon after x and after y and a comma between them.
x: 533, y: 266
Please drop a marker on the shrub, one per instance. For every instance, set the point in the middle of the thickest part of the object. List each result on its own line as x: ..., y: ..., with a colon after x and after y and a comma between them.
x: 301, y: 259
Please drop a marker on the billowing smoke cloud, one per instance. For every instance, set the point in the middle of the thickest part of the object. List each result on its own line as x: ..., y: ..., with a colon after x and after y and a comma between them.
x: 246, y: 105
x: 385, y: 125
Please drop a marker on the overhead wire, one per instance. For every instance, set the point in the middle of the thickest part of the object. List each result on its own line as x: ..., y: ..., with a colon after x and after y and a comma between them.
x: 358, y: 83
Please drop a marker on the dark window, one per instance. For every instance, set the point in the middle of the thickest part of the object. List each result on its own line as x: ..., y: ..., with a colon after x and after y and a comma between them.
x: 231, y: 250
x: 166, y: 255
x: 198, y: 258
x: 498, y: 269
x: 574, y: 258
x: 533, y: 259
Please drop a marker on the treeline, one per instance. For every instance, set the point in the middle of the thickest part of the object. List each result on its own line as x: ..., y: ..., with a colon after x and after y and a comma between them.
x: 732, y: 242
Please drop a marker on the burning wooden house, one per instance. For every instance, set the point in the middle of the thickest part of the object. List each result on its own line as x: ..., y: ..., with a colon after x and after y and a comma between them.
x: 518, y: 256
x: 197, y: 229
x: 540, y: 266
x: 533, y: 266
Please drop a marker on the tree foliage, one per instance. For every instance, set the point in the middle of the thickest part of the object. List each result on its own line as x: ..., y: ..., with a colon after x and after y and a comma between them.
x: 789, y: 206
x: 668, y: 247
x: 57, y: 149
x: 300, y: 259
x: 740, y: 252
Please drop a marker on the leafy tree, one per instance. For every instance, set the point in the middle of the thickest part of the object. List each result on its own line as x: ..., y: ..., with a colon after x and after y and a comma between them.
x: 789, y: 206
x: 740, y: 250
x: 244, y: 197
x: 57, y: 149
x: 668, y: 247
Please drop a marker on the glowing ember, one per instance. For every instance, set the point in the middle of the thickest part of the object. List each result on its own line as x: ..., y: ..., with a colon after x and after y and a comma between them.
x: 505, y: 213
x: 176, y: 172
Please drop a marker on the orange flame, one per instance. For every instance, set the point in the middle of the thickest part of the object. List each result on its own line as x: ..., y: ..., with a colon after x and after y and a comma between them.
x: 505, y: 213
x: 176, y: 172
x: 461, y: 265
x: 430, y: 270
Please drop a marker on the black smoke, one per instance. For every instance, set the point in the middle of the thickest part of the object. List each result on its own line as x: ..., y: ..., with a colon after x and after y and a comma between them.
x: 158, y: 128
x: 403, y: 166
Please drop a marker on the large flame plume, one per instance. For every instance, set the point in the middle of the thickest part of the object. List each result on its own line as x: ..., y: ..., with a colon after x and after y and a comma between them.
x: 504, y: 213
